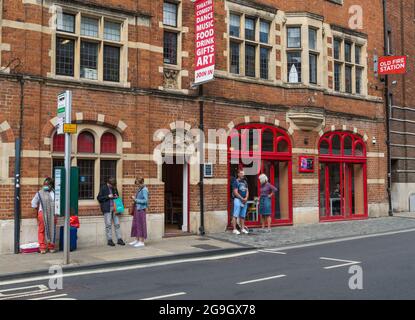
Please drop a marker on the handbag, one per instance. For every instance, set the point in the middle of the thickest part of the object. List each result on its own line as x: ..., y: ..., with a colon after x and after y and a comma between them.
x: 118, y: 206
x: 133, y: 209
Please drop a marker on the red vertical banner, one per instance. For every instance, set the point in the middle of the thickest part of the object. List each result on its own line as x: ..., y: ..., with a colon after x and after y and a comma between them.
x: 204, y: 41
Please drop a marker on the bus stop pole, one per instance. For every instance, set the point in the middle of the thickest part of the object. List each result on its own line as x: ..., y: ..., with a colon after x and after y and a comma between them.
x: 68, y: 151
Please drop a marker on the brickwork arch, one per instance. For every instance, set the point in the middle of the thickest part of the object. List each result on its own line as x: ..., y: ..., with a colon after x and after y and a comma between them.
x: 273, y: 121
x: 344, y: 128
x: 96, y: 119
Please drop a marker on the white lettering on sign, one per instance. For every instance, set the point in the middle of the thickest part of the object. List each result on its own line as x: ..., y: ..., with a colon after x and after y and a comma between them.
x: 205, y: 48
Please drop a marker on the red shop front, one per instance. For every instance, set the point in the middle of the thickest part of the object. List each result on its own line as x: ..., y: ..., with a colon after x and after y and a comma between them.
x: 259, y: 149
x: 342, y: 177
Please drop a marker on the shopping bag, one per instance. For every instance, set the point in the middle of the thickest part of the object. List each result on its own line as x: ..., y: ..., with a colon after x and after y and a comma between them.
x: 118, y: 206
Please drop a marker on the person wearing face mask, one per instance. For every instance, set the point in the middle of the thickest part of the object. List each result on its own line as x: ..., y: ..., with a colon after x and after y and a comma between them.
x: 106, y: 197
x: 44, y: 205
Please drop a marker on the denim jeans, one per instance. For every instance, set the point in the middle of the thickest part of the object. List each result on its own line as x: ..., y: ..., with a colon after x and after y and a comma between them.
x: 108, y: 218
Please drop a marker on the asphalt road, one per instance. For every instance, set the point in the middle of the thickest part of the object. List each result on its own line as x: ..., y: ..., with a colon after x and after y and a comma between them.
x: 314, y: 272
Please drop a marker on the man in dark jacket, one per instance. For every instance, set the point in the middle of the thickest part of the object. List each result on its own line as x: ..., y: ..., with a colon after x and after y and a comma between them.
x: 106, y: 197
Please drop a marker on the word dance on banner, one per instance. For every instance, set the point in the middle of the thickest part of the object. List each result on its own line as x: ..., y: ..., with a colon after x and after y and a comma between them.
x: 205, y: 41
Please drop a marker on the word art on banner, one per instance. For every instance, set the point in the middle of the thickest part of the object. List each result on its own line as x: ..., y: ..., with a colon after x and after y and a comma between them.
x: 392, y: 65
x: 205, y: 41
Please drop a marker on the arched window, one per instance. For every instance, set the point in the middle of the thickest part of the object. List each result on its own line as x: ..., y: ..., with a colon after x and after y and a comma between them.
x: 335, y: 144
x: 283, y: 145
x: 108, y: 143
x: 268, y: 140
x: 59, y: 143
x: 348, y: 145
x: 235, y: 142
x: 95, y: 164
x: 325, y: 147
x: 86, y: 142
x: 343, y: 176
x: 338, y: 144
x: 263, y: 149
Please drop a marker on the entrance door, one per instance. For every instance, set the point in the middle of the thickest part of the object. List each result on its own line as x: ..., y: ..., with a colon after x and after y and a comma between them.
x: 175, y: 178
x: 341, y: 190
x: 278, y: 175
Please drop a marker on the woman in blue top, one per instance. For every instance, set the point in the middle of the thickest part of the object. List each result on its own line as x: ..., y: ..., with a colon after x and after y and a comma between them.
x: 139, y: 226
x: 265, y: 202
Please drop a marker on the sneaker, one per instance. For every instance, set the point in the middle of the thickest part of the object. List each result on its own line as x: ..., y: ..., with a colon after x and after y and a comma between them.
x: 111, y: 243
x: 133, y: 243
x: 121, y: 242
x: 245, y: 231
x: 236, y: 232
x: 139, y: 245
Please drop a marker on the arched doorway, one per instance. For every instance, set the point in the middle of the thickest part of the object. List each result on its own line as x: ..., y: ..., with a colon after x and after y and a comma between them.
x: 260, y: 148
x: 342, y: 177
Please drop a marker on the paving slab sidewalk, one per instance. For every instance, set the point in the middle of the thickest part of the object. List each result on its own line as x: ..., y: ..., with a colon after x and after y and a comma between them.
x: 283, y: 236
x: 23, y: 263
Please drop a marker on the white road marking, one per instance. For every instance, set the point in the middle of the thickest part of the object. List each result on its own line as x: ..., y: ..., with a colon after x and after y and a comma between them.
x: 323, y: 242
x: 344, y: 264
x: 262, y: 279
x: 127, y: 268
x: 22, y: 292
x: 25, y: 295
x: 272, y: 251
x: 51, y: 297
x: 166, y: 296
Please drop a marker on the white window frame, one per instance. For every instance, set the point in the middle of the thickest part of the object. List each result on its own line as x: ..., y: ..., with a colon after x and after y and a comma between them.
x: 354, y: 41
x: 78, y: 37
x: 305, y: 21
x: 243, y: 13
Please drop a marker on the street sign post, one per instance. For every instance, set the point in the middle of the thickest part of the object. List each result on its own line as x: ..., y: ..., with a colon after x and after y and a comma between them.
x: 64, y: 113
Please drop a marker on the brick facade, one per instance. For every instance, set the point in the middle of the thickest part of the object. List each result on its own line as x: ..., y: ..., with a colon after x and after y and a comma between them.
x: 400, y: 15
x: 145, y: 103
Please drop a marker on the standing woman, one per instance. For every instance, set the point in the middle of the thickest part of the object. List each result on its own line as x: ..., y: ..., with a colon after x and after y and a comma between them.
x: 139, y: 226
x: 267, y: 192
x: 44, y: 205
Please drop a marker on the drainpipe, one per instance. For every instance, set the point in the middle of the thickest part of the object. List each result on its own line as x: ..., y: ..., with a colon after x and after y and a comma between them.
x: 17, y: 177
x: 388, y: 109
x: 202, y: 162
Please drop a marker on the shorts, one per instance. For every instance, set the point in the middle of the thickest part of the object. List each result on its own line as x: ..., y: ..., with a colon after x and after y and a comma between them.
x: 239, y: 210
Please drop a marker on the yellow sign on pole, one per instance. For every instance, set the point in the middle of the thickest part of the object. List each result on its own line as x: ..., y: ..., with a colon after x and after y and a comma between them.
x: 70, y: 128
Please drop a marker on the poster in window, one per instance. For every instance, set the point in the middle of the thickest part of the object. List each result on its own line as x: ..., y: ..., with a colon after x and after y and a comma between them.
x: 306, y: 164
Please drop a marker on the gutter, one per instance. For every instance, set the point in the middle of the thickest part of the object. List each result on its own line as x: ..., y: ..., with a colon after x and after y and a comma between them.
x: 388, y: 109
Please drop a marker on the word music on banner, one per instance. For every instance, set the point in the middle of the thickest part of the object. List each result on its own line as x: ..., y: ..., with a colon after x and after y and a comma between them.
x: 204, y: 41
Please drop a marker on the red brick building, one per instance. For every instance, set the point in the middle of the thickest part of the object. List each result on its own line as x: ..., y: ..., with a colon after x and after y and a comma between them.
x: 400, y: 36
x: 299, y: 71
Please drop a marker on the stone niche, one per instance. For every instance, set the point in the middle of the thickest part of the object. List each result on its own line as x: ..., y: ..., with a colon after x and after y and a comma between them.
x: 171, y: 78
x: 306, y: 119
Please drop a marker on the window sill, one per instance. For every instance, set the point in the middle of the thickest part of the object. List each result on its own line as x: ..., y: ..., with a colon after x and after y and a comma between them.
x: 90, y: 82
x: 88, y: 203
x: 278, y: 83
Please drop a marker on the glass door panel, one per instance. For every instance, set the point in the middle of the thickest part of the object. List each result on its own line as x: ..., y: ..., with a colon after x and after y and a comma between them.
x: 358, y: 186
x: 334, y: 187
